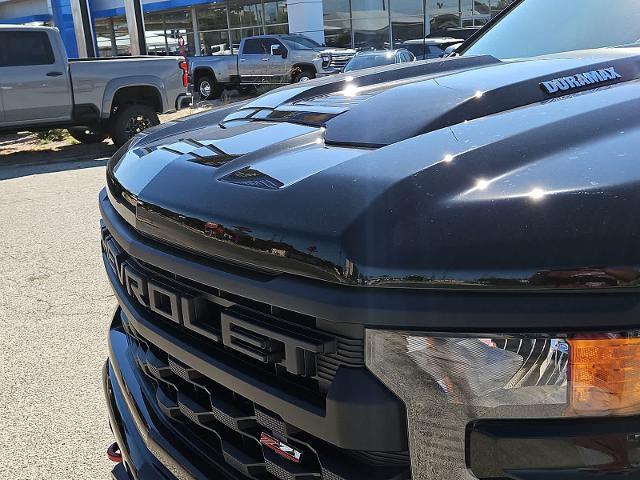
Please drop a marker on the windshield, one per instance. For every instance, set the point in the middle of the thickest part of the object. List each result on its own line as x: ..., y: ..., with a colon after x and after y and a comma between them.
x: 368, y: 61
x: 541, y: 27
x: 300, y: 43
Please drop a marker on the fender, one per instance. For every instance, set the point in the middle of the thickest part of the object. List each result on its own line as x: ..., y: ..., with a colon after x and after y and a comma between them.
x: 303, y: 65
x: 132, y: 81
x: 207, y: 70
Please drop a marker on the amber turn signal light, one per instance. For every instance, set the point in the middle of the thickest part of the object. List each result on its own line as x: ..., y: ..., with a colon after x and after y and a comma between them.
x: 604, y: 376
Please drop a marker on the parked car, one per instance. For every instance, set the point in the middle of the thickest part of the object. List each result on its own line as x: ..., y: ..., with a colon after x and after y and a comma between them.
x: 427, y: 271
x: 40, y: 88
x: 463, y: 33
x: 266, y: 59
x: 377, y: 58
x: 426, y: 48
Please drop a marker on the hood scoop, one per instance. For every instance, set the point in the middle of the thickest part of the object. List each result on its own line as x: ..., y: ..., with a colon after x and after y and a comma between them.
x: 414, y: 108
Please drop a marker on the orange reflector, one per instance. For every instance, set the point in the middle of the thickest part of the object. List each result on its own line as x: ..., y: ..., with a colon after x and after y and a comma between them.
x: 604, y: 376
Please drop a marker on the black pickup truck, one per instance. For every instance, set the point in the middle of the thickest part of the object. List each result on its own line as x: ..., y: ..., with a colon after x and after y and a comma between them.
x: 424, y: 271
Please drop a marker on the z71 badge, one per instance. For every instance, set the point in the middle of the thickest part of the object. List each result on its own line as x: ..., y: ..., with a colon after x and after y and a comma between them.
x: 573, y: 82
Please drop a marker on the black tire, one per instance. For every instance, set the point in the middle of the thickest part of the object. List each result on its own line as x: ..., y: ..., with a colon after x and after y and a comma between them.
x: 131, y: 120
x: 87, y: 135
x: 208, y: 88
x: 304, y: 75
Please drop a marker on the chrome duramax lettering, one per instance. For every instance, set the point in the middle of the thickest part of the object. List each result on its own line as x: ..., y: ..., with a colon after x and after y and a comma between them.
x: 580, y: 80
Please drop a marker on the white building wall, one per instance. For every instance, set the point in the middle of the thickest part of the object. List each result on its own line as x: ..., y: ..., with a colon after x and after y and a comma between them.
x: 306, y: 17
x: 23, y: 8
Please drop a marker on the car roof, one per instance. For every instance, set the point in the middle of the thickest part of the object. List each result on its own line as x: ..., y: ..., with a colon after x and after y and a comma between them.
x: 363, y: 53
x: 278, y: 35
x: 434, y: 41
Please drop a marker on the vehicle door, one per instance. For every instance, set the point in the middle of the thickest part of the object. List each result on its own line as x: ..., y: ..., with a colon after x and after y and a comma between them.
x: 253, y: 62
x: 280, y: 63
x: 34, y: 78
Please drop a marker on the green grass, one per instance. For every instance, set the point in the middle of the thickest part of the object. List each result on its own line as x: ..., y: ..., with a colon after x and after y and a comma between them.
x: 55, y: 135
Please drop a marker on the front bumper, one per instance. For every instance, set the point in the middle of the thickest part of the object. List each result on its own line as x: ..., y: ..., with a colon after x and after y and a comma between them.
x: 328, y: 71
x: 138, y: 426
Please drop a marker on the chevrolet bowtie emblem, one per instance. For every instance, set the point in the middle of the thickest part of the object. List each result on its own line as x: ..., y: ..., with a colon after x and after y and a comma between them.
x: 280, y: 448
x: 580, y: 80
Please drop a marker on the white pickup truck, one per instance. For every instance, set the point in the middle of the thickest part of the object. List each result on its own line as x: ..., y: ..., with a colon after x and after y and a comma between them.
x: 266, y: 59
x: 40, y: 88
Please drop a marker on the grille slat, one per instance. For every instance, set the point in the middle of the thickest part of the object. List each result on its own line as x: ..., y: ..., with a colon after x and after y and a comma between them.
x: 339, y: 61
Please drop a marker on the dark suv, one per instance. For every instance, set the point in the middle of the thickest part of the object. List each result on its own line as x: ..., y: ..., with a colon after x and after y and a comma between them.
x: 427, y: 270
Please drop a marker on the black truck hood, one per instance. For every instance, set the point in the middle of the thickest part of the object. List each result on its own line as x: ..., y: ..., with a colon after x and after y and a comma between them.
x: 457, y: 173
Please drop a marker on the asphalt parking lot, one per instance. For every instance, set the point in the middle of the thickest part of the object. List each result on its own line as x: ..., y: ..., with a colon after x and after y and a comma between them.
x: 55, y: 304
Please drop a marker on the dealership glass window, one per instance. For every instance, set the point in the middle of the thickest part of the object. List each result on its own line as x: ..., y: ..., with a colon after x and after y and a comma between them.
x: 113, y: 36
x: 212, y: 17
x: 121, y: 31
x: 214, y: 29
x: 275, y: 12
x: 407, y: 20
x: 103, y: 28
x: 406, y: 28
x: 337, y: 23
x: 370, y: 20
x: 336, y: 10
x: 283, y: 28
x: 444, y: 14
x: 245, y: 15
x: 179, y: 32
x: 240, y: 33
x: 155, y: 33
x: 498, y: 5
x: 338, y: 33
x: 215, y: 42
x: 371, y: 33
x: 475, y: 12
x: 222, y: 27
x: 407, y: 8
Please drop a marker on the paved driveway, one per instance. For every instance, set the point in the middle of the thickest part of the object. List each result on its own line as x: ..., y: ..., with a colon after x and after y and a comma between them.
x: 54, y: 307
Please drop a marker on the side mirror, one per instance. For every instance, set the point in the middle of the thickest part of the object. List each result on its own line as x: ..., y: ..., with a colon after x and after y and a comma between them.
x: 279, y: 50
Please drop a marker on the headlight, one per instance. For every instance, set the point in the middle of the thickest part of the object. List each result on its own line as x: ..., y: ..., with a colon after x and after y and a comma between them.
x: 326, y: 60
x: 471, y: 400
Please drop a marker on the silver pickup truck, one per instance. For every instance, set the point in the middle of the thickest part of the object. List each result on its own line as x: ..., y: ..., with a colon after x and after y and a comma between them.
x: 266, y: 59
x: 40, y: 88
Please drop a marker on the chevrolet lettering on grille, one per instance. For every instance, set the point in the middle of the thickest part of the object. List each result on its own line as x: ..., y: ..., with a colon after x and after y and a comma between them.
x: 262, y: 337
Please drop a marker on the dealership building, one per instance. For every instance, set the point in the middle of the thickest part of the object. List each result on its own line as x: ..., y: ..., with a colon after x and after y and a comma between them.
x: 205, y: 27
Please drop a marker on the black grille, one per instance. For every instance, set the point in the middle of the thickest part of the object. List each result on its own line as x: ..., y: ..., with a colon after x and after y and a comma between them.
x: 294, y: 355
x: 228, y: 425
